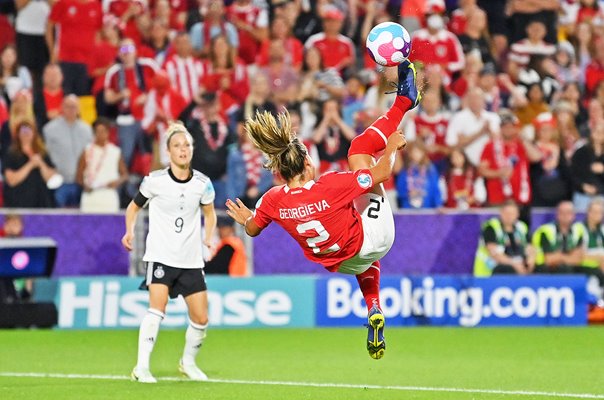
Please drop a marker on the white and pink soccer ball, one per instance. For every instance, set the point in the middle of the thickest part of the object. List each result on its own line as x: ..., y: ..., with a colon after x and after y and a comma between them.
x: 388, y: 44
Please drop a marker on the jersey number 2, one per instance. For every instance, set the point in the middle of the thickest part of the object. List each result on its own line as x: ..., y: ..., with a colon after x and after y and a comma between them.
x: 322, y: 236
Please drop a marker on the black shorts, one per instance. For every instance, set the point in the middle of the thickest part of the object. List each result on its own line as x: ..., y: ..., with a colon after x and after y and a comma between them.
x: 181, y: 281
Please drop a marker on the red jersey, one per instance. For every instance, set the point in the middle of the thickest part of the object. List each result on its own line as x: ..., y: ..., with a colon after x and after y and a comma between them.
x: 77, y: 24
x: 251, y: 15
x: 499, y: 154
x: 320, y: 216
x: 443, y: 48
x: 433, y: 130
x: 137, y: 79
x: 333, y: 51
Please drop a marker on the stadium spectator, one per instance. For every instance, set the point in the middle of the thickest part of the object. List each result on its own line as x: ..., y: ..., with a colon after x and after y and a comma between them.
x: 184, y: 70
x: 498, y: 26
x: 319, y: 84
x: 417, y: 184
x: 126, y: 86
x: 489, y: 83
x: 593, y: 256
x: 294, y: 50
x: 105, y: 51
x: 229, y: 257
x: 13, y: 77
x: 158, y: 44
x: 213, y: 139
x: 505, y: 163
x: 559, y: 244
x: 70, y: 33
x: 282, y: 78
x: 504, y: 246
x: 436, y: 45
x: 534, y: 106
x: 590, y: 11
x: 470, y: 128
x: 587, y: 170
x: 101, y: 171
x: 21, y: 110
x: 30, y: 27
x: 533, y: 45
x: 571, y: 94
x: 127, y: 12
x: 47, y: 102
x: 565, y: 64
x: 461, y: 16
x: 461, y: 178
x: 431, y: 129
x: 66, y: 137
x: 523, y: 12
x: 332, y: 137
x: 550, y: 176
x: 225, y: 74
x: 213, y: 24
x: 163, y: 105
x: 256, y: 101
x: 27, y: 169
x: 252, y: 24
x: 594, y: 72
x: 474, y: 37
x: 353, y: 100
x: 468, y: 77
x: 171, y: 15
x: 337, y: 51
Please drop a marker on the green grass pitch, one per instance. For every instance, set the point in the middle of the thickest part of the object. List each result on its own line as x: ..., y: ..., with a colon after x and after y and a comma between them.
x: 420, y: 363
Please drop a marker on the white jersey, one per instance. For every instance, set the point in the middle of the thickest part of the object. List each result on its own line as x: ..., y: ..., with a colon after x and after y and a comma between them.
x: 175, y: 237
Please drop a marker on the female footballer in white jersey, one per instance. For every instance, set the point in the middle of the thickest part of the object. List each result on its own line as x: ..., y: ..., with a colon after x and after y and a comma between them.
x: 173, y: 253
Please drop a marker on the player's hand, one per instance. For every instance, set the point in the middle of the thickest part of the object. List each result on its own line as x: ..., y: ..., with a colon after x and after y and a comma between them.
x: 127, y: 241
x: 238, y: 211
x: 397, y: 139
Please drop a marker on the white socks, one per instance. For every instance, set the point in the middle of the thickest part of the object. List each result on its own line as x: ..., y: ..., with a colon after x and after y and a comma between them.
x: 147, y: 336
x: 193, y: 341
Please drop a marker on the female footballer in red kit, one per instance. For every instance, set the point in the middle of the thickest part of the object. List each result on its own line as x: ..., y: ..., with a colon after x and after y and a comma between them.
x: 343, y: 220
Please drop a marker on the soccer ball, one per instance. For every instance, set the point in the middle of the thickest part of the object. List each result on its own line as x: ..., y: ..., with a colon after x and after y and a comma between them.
x: 388, y: 44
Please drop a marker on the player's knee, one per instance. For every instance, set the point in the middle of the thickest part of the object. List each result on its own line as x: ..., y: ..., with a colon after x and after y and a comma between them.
x: 199, y: 319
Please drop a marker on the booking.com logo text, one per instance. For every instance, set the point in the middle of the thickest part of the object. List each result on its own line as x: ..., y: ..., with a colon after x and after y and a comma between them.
x: 470, y: 305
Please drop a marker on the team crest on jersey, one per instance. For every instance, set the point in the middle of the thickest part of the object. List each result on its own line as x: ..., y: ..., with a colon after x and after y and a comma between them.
x: 159, y: 273
x: 364, y: 181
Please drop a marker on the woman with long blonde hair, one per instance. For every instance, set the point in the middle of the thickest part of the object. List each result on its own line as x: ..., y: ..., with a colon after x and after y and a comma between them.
x: 342, y: 220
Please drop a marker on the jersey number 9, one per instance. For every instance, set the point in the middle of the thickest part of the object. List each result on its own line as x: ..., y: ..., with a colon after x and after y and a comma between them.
x: 178, y: 223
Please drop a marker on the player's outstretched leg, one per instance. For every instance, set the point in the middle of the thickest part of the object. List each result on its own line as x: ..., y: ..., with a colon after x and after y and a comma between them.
x: 369, y: 283
x: 374, y: 138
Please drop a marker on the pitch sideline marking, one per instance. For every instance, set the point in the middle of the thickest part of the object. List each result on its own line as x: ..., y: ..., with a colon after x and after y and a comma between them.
x: 313, y: 384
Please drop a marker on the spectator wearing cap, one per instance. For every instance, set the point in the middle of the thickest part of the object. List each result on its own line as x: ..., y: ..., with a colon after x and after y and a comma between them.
x: 126, y: 86
x: 587, y: 170
x: 213, y: 140
x: 78, y: 22
x: 474, y: 37
x: 230, y: 256
x: 252, y: 23
x: 435, y: 45
x: 469, y: 129
x: 213, y: 24
x: 550, y: 176
x: 534, y: 44
x: 164, y: 104
x: 505, y: 162
x: 565, y: 64
x: 594, y: 73
x: 66, y: 138
x: 337, y: 51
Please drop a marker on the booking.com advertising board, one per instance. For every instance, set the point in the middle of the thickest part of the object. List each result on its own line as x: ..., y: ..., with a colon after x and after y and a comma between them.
x: 458, y: 301
x: 306, y: 301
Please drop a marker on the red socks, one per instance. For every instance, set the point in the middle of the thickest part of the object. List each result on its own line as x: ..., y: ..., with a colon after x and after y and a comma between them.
x: 373, y: 139
x: 369, y: 283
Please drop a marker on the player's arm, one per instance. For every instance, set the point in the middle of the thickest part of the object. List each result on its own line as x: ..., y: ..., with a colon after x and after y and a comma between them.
x: 209, y: 221
x: 383, y: 169
x: 131, y: 213
x: 243, y: 216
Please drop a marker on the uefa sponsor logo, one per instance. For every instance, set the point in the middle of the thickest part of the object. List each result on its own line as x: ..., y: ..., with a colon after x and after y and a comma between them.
x: 364, y: 181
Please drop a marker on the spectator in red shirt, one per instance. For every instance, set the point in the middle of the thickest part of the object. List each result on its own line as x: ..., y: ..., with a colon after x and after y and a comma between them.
x: 252, y: 24
x: 126, y: 85
x: 173, y: 18
x: 461, y: 178
x: 436, y: 45
x: 77, y: 23
x: 47, y: 102
x: 431, y: 127
x: 594, y: 73
x: 337, y: 51
x: 183, y: 69
x: 294, y: 50
x: 127, y: 11
x: 504, y: 164
x: 460, y: 16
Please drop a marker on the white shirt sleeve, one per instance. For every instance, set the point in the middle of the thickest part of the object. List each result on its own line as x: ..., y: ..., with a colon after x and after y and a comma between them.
x: 453, y: 131
x: 147, y: 188
x: 208, y: 194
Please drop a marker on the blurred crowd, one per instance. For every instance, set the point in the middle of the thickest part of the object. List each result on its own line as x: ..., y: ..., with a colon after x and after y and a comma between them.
x: 513, y: 104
